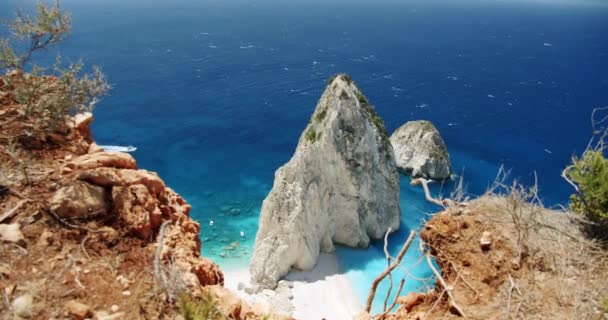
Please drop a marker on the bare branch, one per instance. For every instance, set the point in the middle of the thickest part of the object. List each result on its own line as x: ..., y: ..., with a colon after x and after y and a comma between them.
x: 427, y: 192
x: 8, y: 214
x: 372, y: 292
x: 388, y: 264
x: 448, y: 289
x: 386, y: 311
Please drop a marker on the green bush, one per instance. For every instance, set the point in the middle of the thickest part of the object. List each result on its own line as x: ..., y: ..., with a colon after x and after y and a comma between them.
x: 590, y: 174
x: 321, y: 114
x: 49, y: 94
x: 199, y: 308
x: 311, y: 135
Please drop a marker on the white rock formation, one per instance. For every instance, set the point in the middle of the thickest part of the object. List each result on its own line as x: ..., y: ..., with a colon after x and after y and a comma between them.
x: 340, y: 187
x: 420, y: 151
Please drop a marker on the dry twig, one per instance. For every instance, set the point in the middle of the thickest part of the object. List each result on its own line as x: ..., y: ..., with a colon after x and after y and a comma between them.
x: 10, y: 213
x: 427, y: 192
x: 372, y: 292
x: 447, y: 288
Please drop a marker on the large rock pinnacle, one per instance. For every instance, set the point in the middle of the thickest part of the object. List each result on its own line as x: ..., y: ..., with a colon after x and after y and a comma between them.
x: 340, y: 187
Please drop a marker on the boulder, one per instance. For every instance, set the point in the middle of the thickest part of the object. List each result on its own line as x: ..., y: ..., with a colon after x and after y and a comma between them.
x: 182, y: 246
x: 173, y: 205
x: 420, y: 151
x: 112, y: 177
x: 78, y: 199
x: 137, y: 209
x: 340, y: 187
x: 109, y: 159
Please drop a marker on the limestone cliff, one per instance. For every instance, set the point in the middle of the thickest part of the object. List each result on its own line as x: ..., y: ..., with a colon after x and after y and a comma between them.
x: 340, y: 187
x: 420, y: 151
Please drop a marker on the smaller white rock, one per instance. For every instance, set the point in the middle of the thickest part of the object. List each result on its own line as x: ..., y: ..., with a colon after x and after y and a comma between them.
x: 124, y: 282
x: 126, y: 293
x: 114, y: 308
x: 22, y: 306
x: 485, y: 242
x: 11, y: 233
x: 420, y: 151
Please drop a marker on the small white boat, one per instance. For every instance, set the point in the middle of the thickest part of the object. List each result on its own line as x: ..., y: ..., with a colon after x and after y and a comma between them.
x: 119, y: 148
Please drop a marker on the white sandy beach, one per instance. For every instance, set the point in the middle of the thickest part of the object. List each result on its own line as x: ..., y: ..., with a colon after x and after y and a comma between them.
x: 321, y: 293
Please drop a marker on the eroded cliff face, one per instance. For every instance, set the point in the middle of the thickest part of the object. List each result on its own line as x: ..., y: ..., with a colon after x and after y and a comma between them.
x: 420, y: 151
x: 86, y: 234
x: 340, y: 187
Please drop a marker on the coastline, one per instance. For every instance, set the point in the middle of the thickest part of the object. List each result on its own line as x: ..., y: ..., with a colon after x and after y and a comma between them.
x: 321, y: 293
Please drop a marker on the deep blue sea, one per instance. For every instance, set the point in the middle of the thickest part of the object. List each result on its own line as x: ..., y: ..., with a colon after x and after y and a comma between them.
x: 216, y: 93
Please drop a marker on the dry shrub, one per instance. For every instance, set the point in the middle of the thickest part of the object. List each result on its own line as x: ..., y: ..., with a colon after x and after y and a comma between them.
x: 562, y: 273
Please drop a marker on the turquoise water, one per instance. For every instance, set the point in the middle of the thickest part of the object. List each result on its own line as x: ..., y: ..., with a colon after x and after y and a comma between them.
x: 215, y: 94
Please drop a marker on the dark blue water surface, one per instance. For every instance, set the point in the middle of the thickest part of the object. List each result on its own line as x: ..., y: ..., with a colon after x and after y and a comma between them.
x: 216, y: 93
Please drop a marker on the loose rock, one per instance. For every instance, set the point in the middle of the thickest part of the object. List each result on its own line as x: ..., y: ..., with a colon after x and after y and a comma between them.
x: 22, y: 306
x: 78, y: 199
x: 12, y: 233
x: 485, y: 241
x: 78, y: 311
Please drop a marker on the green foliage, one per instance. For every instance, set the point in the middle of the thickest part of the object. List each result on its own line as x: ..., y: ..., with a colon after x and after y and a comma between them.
x: 199, y: 309
x: 311, y: 134
x: 50, y: 25
x: 590, y: 174
x: 49, y: 99
x: 377, y: 121
x: 48, y: 94
x: 604, y: 305
x: 319, y: 116
x: 362, y: 99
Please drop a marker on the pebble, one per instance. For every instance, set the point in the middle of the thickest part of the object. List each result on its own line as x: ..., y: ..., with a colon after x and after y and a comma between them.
x: 485, y: 241
x: 124, y: 282
x: 22, y: 306
x: 77, y: 310
x: 126, y: 293
x: 114, y: 308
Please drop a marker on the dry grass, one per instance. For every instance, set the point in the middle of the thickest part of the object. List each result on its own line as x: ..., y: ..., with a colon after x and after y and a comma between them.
x: 540, y: 265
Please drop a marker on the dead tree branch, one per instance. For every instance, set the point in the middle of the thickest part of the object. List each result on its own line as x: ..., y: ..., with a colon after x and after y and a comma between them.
x: 10, y: 213
x: 448, y: 289
x: 386, y: 311
x: 388, y: 264
x: 427, y: 192
x: 372, y: 292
